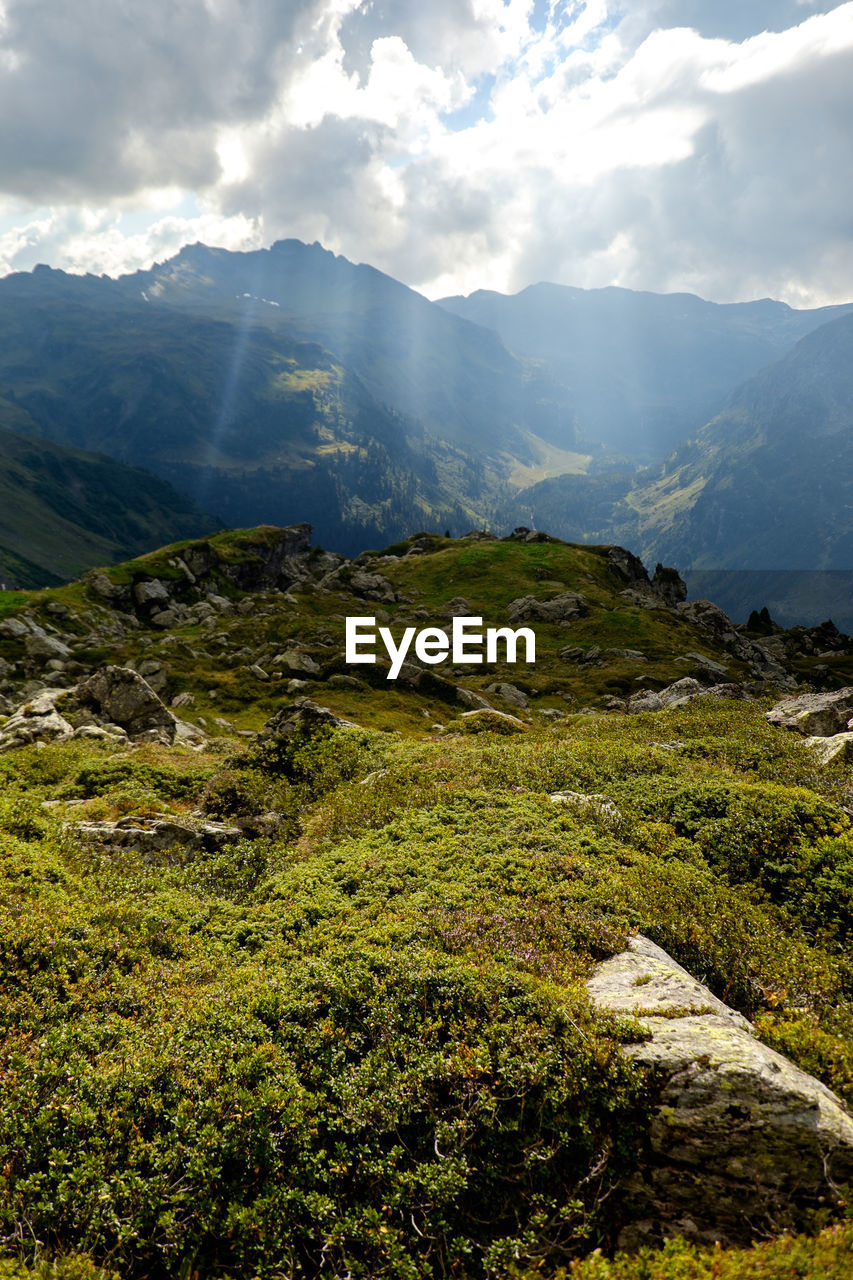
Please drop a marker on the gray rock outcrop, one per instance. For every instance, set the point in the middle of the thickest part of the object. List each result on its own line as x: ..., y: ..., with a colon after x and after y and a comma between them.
x: 742, y: 1142
x: 679, y: 694
x: 561, y: 609
x: 818, y: 715
x: 121, y: 696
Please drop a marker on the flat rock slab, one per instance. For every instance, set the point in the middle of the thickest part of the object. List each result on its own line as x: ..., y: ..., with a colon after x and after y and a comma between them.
x: 742, y: 1142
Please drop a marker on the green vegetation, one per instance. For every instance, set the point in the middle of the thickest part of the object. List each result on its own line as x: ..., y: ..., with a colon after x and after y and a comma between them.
x: 356, y: 1040
x: 365, y: 1045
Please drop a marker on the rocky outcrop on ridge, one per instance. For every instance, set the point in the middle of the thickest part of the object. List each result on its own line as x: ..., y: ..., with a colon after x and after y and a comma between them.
x: 742, y: 1142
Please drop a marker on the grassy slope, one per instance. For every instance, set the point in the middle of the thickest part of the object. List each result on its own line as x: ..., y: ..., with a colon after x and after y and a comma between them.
x: 363, y: 1044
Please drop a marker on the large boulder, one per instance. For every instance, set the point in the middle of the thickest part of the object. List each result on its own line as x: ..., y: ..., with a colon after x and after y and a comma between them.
x: 121, y: 696
x: 301, y: 719
x: 36, y: 720
x: 819, y: 715
x: 742, y: 1143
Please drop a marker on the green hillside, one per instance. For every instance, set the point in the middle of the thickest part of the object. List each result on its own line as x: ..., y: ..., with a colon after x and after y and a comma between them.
x: 313, y: 1001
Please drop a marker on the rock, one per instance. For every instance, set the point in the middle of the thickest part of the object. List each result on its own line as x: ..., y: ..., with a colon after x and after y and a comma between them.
x: 679, y: 694
x: 154, y: 592
x: 166, y: 618
x: 122, y: 696
x: 294, y: 660
x: 627, y: 655
x: 497, y: 721
x: 183, y: 700
x: 36, y: 720
x: 816, y: 714
x: 561, y: 609
x: 595, y: 805
x: 372, y: 586
x: 741, y: 1142
x: 509, y: 693
x: 106, y: 733
x: 629, y: 568
x: 102, y: 586
x: 155, y: 835
x: 458, y: 607
x: 837, y: 747
x: 13, y: 629
x: 258, y: 672
x: 302, y: 719
x: 475, y: 701
x: 669, y: 585
x: 348, y: 682
x: 221, y: 603
x: 43, y: 647
x: 572, y: 653
x: 189, y: 734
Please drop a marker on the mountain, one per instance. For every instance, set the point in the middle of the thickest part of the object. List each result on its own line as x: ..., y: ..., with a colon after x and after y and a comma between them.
x: 453, y: 377
x: 289, y: 384
x: 62, y: 510
x: 279, y: 385
x: 767, y: 483
x: 644, y: 370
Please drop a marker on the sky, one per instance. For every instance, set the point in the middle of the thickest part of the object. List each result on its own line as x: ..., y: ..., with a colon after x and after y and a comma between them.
x: 699, y: 145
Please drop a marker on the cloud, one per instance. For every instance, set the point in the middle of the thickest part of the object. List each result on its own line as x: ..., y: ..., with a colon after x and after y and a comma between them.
x: 661, y: 144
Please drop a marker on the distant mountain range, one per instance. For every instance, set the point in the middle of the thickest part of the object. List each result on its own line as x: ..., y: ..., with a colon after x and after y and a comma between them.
x: 289, y: 384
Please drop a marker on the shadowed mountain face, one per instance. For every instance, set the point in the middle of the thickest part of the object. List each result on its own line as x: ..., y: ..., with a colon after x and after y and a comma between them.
x: 61, y: 511
x: 644, y: 369
x: 278, y: 385
x: 766, y: 484
x: 291, y: 385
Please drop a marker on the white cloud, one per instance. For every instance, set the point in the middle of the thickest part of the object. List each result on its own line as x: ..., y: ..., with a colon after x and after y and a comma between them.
x: 661, y: 144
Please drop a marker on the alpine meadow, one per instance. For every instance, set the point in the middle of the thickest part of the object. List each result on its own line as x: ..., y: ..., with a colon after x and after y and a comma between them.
x: 426, y: 640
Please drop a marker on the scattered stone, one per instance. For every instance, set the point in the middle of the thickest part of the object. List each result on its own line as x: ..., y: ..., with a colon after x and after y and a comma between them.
x: 258, y: 672
x: 183, y: 700
x: 819, y: 715
x: 742, y: 1141
x: 294, y: 660
x: 627, y: 655
x: 509, y: 693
